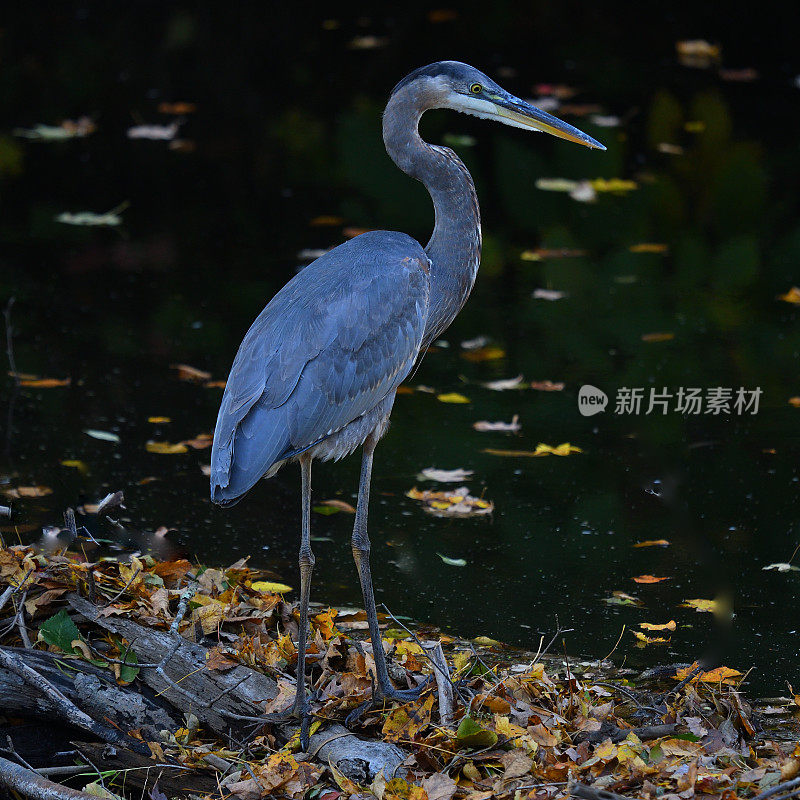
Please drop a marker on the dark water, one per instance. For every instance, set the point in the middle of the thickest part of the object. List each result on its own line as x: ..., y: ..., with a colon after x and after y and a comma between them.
x: 287, y: 130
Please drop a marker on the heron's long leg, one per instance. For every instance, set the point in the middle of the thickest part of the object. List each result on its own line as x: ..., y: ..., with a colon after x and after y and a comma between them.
x: 306, y: 569
x: 361, y: 547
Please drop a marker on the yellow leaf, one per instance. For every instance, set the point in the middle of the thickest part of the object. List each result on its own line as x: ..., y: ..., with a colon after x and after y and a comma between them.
x: 667, y: 626
x: 270, y: 586
x: 406, y: 721
x: 75, y: 463
x: 452, y: 397
x: 792, y: 296
x: 649, y: 639
x: 657, y: 337
x: 165, y: 448
x: 699, y: 604
x: 613, y: 185
x: 159, y: 420
x: 794, y: 401
x: 649, y: 247
x: 484, y: 354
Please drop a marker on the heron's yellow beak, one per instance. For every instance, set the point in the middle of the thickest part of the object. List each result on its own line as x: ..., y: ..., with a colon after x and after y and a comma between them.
x: 524, y: 115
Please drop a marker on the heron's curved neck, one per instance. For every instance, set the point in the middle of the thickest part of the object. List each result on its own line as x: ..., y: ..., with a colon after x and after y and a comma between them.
x: 455, y: 245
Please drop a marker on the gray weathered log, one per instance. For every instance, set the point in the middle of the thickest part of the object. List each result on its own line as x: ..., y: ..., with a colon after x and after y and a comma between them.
x: 240, y: 691
x: 91, y: 689
x: 31, y: 784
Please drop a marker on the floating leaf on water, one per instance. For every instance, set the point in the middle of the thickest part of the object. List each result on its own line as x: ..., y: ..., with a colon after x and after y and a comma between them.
x: 605, y: 120
x: 103, y: 436
x: 501, y: 427
x: 698, y: 604
x: 653, y: 543
x: 697, y: 53
x: 17, y: 492
x: 444, y: 475
x: 58, y: 133
x: 476, y: 343
x: 649, y: 247
x: 542, y: 449
x: 326, y: 220
x: 490, y: 353
x: 166, y: 448
x: 649, y: 579
x: 556, y: 184
x: 205, y: 469
x: 329, y: 507
x: 622, y: 599
x: 459, y: 140
x: 162, y: 133
x: 271, y: 586
x: 215, y: 384
x: 191, y: 374
x: 367, y: 42
x: 74, y: 463
x: 548, y: 294
x: 90, y: 219
x: 542, y: 253
x: 614, y: 185
x: 793, y: 401
x: 504, y: 384
x: 669, y: 149
x: 200, y: 442
x: 792, y: 296
x: 44, y: 383
x: 782, y: 567
x: 452, y: 562
x: 547, y: 386
x: 666, y: 626
x: 645, y: 640
x: 177, y: 108
x: 452, y: 397
x: 724, y: 675
x: 352, y: 231
x: 657, y: 337
x: 454, y: 503
x: 159, y: 420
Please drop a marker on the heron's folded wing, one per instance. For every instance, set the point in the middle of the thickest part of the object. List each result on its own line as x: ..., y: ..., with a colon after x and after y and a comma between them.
x: 329, y: 346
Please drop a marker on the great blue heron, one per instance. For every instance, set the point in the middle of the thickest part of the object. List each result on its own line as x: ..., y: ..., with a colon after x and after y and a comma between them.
x: 316, y: 374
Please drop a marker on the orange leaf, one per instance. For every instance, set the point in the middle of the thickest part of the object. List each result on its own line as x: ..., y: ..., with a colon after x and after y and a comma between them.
x: 44, y: 383
x: 653, y: 543
x: 649, y: 579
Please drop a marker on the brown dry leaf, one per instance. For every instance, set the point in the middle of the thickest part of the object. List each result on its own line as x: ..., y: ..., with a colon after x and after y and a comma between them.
x: 651, y: 626
x: 793, y: 401
x: 501, y: 427
x: 542, y: 253
x: 217, y: 660
x: 341, y: 505
x: 547, y: 386
x: 399, y: 789
x: 454, y: 503
x: 190, y: 374
x: 44, y: 383
x: 177, y: 108
x: 215, y: 384
x: 792, y: 296
x: 649, y: 579
x: 657, y: 337
x: 649, y: 247
x: 326, y: 220
x: 439, y: 786
x: 543, y: 736
x: 516, y: 764
x: 344, y: 783
x: 653, y: 543
x: 200, y: 442
x: 406, y: 721
x: 166, y: 448
x: 15, y: 493
x: 352, y: 231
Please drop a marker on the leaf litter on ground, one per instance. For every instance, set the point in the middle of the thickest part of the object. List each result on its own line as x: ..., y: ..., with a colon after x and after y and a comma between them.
x: 529, y: 724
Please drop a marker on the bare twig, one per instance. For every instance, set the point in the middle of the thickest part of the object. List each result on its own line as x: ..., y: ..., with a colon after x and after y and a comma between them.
x: 444, y: 685
x: 37, y: 787
x: 586, y: 792
x: 688, y: 679
x: 786, y: 789
x: 13, y: 589
x: 125, y: 587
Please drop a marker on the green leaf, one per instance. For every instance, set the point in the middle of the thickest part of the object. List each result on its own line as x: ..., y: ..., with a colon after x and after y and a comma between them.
x: 326, y: 510
x: 687, y: 737
x: 129, y: 670
x: 452, y: 562
x: 470, y: 734
x: 60, y: 631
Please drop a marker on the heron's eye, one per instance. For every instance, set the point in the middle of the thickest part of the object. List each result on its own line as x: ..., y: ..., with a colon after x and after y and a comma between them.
x: 476, y: 88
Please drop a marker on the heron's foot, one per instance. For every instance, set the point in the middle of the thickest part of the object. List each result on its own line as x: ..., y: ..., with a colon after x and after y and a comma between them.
x: 299, y: 710
x: 385, y: 692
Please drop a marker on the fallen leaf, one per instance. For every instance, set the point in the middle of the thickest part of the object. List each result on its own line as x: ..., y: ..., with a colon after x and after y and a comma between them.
x: 191, y: 374
x: 27, y: 491
x: 649, y: 579
x: 452, y: 397
x: 619, y: 598
x: 516, y: 764
x: 793, y: 401
x: 697, y: 53
x: 792, y: 296
x: 453, y: 562
x: 177, y: 108
x: 407, y: 720
x: 77, y: 464
x: 470, y: 734
x: 476, y: 343
x: 334, y: 507
x: 649, y: 247
x: 154, y: 132
x: 541, y: 254
x: 159, y: 420
x: 547, y: 386
x: 453, y: 503
x: 782, y: 567
x: 44, y: 383
x: 657, y: 337
x: 166, y: 448
x: 644, y: 640
x: 200, y: 442
x: 698, y: 604
x: 490, y: 353
x: 439, y: 786
x: 724, y: 675
x: 270, y: 586
x: 548, y: 294
x: 103, y: 436
x: 666, y: 626
x: 502, y: 427
x: 504, y: 384
x: 653, y: 543
x: 445, y: 475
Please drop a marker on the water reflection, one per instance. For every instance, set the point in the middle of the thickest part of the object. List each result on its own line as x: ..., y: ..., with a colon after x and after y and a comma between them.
x: 211, y: 234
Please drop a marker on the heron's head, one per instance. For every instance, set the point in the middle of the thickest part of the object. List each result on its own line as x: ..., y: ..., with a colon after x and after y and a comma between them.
x: 451, y: 84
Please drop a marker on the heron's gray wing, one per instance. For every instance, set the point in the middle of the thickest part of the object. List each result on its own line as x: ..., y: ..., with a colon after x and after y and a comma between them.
x: 339, y: 337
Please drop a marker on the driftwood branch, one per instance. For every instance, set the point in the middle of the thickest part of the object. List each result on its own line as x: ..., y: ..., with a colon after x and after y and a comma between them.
x: 444, y: 684
x: 32, y: 784
x: 60, y: 704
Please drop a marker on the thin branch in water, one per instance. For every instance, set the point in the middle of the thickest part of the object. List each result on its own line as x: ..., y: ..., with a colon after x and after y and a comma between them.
x: 10, y: 339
